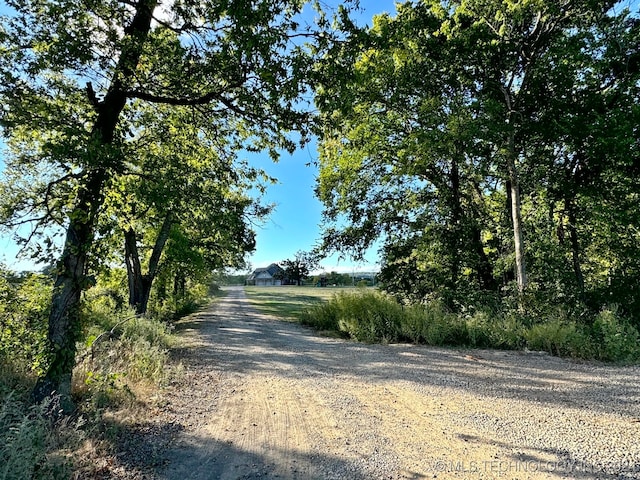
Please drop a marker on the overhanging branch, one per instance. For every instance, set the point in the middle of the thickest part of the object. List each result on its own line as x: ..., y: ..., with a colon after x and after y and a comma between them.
x: 188, y: 101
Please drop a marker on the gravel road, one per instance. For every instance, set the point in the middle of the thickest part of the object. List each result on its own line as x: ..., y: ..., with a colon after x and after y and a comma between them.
x: 261, y: 398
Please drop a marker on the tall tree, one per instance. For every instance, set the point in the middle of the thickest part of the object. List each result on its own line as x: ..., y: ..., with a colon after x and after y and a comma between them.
x: 72, y: 71
x: 399, y: 154
x: 183, y: 177
x: 442, y: 126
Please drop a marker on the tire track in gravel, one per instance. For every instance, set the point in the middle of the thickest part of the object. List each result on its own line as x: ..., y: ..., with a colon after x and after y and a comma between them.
x: 262, y: 398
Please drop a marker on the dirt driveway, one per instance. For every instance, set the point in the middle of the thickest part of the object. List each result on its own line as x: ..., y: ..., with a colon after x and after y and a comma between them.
x: 261, y: 398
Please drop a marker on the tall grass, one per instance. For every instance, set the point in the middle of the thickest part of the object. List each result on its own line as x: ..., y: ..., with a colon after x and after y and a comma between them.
x: 32, y: 444
x: 120, y: 359
x: 120, y: 351
x: 371, y: 316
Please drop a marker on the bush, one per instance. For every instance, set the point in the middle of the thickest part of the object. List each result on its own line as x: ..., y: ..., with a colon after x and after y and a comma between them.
x: 169, y: 307
x: 24, y: 311
x: 615, y: 338
x: 138, y: 353
x: 120, y: 351
x: 490, y: 330
x: 323, y: 317
x: 365, y: 316
x: 433, y: 324
x: 374, y: 317
x: 559, y: 337
x: 369, y: 316
x: 131, y: 356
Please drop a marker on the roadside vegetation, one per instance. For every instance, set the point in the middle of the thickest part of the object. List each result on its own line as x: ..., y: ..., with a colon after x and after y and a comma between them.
x: 490, y: 150
x: 372, y: 316
x: 122, y: 363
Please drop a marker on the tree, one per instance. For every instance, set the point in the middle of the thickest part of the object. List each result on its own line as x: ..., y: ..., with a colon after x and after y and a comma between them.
x: 299, y: 267
x: 73, y: 72
x: 398, y: 152
x: 441, y: 126
x: 514, y: 37
x: 157, y: 200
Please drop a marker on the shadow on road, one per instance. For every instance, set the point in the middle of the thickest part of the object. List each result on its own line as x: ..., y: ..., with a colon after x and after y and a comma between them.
x: 236, y: 337
x: 233, y: 337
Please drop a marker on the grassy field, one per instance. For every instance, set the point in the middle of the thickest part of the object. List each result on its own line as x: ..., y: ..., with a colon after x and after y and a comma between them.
x: 288, y: 302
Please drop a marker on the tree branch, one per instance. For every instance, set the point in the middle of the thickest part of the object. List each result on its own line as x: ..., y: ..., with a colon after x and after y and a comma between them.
x: 187, y: 101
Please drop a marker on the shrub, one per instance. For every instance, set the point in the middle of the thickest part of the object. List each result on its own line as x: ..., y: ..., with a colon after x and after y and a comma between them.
x: 152, y: 331
x: 616, y: 339
x: 24, y: 311
x: 138, y: 353
x: 491, y: 330
x: 443, y: 327
x: 559, y: 337
x: 323, y: 317
x: 169, y: 307
x: 369, y: 316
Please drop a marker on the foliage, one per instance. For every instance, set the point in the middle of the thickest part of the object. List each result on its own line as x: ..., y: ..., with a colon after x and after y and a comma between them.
x: 24, y: 308
x: 615, y: 339
x: 368, y: 317
x: 121, y: 349
x: 559, y: 337
x: 372, y: 316
x: 168, y: 217
x: 484, y: 143
x: 30, y: 445
x: 176, y: 295
x: 82, y: 83
x: 296, y: 269
x: 121, y: 359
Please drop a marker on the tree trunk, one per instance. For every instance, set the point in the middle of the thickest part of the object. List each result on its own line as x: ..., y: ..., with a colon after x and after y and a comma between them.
x: 139, y: 283
x: 179, y: 285
x: 575, y: 245
x: 134, y: 270
x: 516, y: 217
x: 64, y: 319
x: 456, y: 220
x: 484, y: 269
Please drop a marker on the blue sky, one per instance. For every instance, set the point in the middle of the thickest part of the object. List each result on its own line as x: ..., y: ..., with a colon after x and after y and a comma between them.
x: 295, y: 224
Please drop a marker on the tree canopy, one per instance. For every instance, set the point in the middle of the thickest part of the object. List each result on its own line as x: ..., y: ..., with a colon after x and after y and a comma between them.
x: 483, y: 142
x: 490, y: 146
x: 296, y: 269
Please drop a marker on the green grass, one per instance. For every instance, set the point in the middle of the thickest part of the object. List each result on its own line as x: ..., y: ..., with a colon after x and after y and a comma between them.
x: 290, y: 302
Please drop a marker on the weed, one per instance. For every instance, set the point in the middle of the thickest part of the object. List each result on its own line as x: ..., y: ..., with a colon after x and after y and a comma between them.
x: 616, y: 339
x: 31, y: 445
x: 558, y: 337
